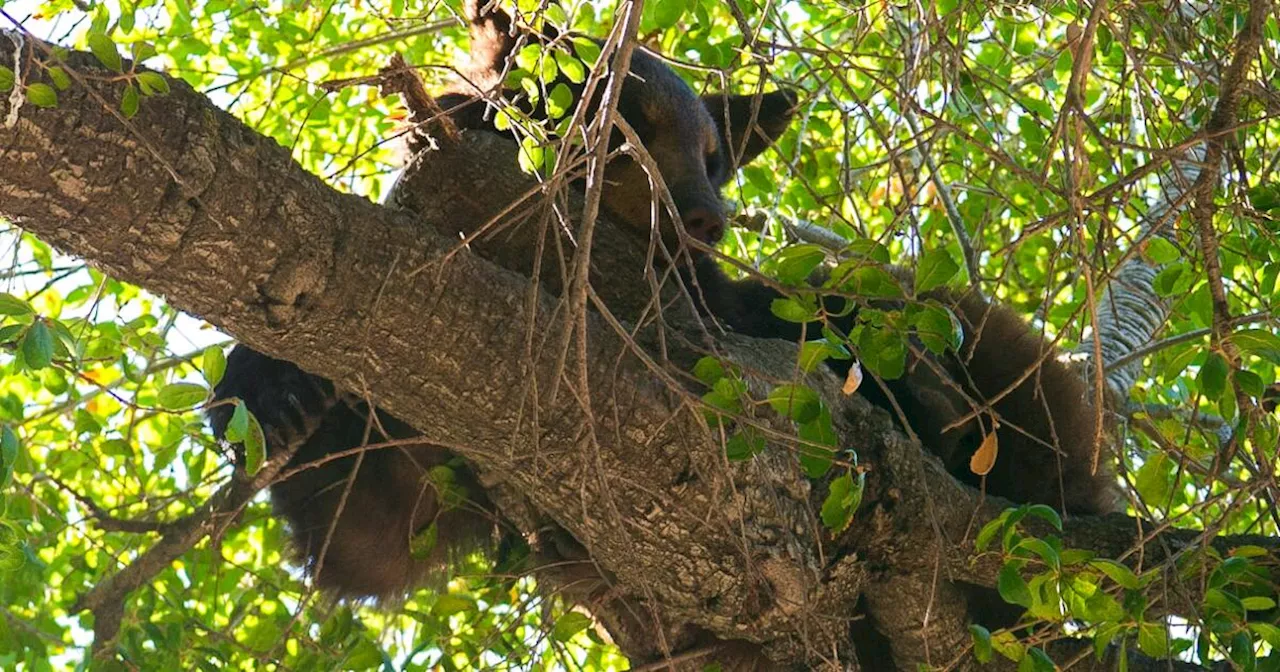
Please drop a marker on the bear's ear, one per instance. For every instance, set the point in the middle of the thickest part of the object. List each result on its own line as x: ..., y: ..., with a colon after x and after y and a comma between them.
x: 491, y: 38
x: 733, y: 113
x: 494, y: 35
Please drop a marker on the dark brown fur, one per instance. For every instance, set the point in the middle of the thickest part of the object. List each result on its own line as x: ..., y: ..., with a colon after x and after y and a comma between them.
x: 1047, y: 433
x: 392, y: 497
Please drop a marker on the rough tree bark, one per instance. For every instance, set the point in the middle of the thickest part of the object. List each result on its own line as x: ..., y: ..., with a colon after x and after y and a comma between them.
x: 187, y: 202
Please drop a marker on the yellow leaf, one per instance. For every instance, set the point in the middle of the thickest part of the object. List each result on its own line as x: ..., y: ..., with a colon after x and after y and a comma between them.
x: 853, y: 379
x: 985, y: 457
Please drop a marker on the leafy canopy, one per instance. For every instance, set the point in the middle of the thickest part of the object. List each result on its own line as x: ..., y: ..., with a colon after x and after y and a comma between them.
x: 103, y: 443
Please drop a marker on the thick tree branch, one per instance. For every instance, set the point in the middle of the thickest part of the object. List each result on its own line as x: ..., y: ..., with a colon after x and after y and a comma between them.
x: 241, y: 236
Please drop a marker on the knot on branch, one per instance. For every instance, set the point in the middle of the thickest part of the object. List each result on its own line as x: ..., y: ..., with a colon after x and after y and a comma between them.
x: 424, y: 112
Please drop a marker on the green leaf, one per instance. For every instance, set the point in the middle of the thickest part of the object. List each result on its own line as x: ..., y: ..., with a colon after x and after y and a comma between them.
x: 86, y: 423
x: 1161, y: 251
x: 1123, y: 576
x: 818, y: 452
x: 105, y: 51
x: 797, y: 263
x: 1249, y: 551
x: 982, y: 650
x: 938, y: 328
x: 59, y: 78
x: 1268, y: 632
x: 1228, y: 604
x: 7, y: 79
x: 422, y: 543
x: 814, y: 353
x: 1101, y: 606
x: 1153, y: 640
x: 572, y: 68
x: 141, y: 51
x: 451, y: 493
x: 37, y: 346
x: 1046, y: 512
x: 12, y: 305
x: 587, y: 50
x: 1213, y: 376
x: 883, y: 351
x: 1265, y: 196
x: 1250, y: 383
x: 64, y: 342
x: 255, y: 446
x: 238, y: 426
x: 213, y: 364
x: 1175, y: 279
x: 1258, y: 603
x: 726, y: 395
x: 1013, y: 589
x: 42, y: 95
x: 936, y: 268
x: 1039, y: 548
x: 181, y: 396
x: 798, y: 402
x: 842, y: 502
x: 528, y: 57
x: 569, y: 625
x: 559, y: 101
x: 989, y: 532
x: 12, y: 547
x: 1260, y: 342
x: 708, y: 370
x: 531, y: 155
x: 53, y: 380
x: 1242, y: 653
x: 1007, y: 645
x: 129, y: 102
x: 362, y: 655
x: 1106, y: 634
x: 549, y: 69
x: 744, y: 445
x: 152, y: 82
x: 863, y: 250
x: 8, y: 454
x: 795, y: 309
x: 667, y: 13
x: 1154, y: 480
x: 872, y: 282
x: 1040, y: 661
x: 556, y: 15
x: 1234, y: 565
x: 448, y: 604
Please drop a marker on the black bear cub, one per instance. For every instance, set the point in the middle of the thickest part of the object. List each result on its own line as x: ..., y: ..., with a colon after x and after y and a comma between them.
x: 378, y: 522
